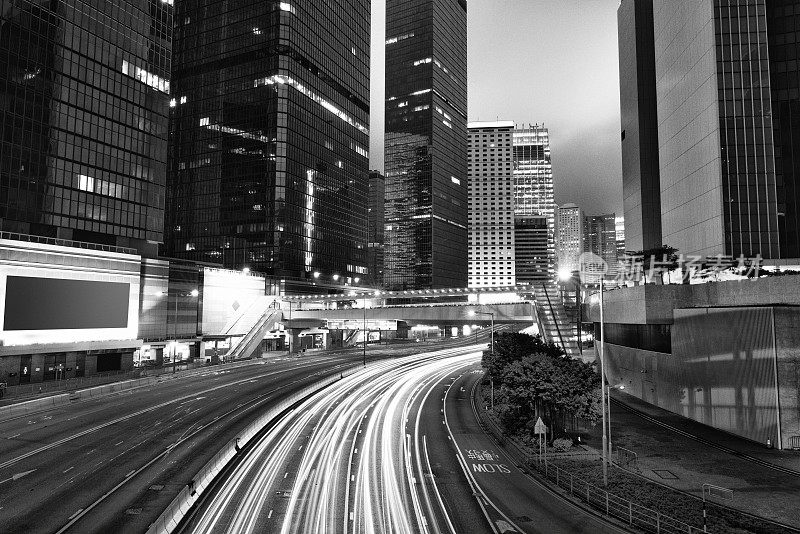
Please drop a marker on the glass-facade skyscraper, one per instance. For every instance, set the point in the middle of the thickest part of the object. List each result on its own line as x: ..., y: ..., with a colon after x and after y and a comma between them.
x: 269, y: 166
x: 83, y: 119
x: 534, y: 205
x: 426, y: 144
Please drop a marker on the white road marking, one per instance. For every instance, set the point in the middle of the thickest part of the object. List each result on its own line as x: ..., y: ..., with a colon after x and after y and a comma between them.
x: 68, y: 470
x: 75, y: 514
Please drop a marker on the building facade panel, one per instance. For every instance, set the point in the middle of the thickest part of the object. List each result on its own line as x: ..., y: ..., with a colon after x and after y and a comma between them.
x: 534, y: 204
x: 426, y: 144
x: 85, y: 90
x: 639, y: 125
x: 491, y: 204
x: 269, y: 136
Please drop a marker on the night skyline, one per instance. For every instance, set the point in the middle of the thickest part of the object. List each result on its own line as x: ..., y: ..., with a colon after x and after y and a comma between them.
x: 577, y: 97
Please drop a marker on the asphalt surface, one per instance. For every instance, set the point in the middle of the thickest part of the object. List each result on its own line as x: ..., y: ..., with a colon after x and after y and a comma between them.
x: 113, y: 464
x: 395, y: 448
x: 349, y: 459
x: 511, y: 500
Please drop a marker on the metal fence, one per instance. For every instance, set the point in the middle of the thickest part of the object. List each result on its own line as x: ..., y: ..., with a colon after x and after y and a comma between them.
x: 635, y: 515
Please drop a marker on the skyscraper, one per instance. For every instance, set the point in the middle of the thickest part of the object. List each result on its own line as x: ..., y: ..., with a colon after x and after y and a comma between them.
x: 375, y: 234
x: 534, y: 205
x: 426, y: 144
x: 491, y: 204
x: 637, y: 76
x: 268, y: 137
x: 569, y: 238
x: 600, y: 238
x: 726, y: 171
x: 84, y: 91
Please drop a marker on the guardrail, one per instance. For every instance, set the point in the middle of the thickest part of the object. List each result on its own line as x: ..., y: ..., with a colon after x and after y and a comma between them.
x: 635, y: 515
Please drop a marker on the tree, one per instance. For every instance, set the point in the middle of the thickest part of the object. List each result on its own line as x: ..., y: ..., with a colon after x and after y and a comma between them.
x: 512, y: 346
x: 661, y: 259
x: 542, y: 383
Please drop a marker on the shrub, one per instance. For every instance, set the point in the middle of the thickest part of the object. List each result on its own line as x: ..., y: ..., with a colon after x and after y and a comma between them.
x: 562, y: 444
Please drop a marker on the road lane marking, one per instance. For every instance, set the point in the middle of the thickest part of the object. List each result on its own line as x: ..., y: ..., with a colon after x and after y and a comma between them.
x: 67, y: 470
x: 17, y: 476
x: 75, y: 514
x: 120, y: 443
x: 269, y: 515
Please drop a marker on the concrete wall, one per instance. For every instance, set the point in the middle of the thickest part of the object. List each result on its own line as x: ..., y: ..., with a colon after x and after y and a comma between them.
x: 730, y: 368
x: 654, y: 303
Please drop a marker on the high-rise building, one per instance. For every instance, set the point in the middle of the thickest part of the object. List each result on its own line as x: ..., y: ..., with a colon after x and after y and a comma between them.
x: 600, y: 238
x: 85, y: 91
x: 569, y: 238
x: 491, y: 204
x: 375, y: 233
x: 269, y: 166
x: 637, y: 75
x: 534, y: 205
x: 532, y: 265
x: 619, y: 223
x: 725, y: 87
x: 426, y: 144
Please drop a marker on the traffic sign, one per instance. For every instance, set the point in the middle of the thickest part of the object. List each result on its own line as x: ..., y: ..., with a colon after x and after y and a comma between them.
x: 540, y: 427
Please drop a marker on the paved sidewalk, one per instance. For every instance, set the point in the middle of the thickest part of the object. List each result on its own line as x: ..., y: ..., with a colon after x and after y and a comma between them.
x: 686, y: 464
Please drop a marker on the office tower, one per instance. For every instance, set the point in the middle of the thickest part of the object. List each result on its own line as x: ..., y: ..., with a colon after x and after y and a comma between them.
x: 569, y: 238
x: 534, y: 205
x: 619, y: 224
x: 491, y: 204
x: 640, y: 173
x: 600, y: 238
x: 721, y: 190
x: 84, y: 91
x: 268, y: 138
x: 375, y: 234
x: 426, y: 144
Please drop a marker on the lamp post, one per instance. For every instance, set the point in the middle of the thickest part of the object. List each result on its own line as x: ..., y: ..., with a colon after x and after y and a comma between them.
x: 366, y: 336
x: 603, y: 390
x: 602, y: 386
x: 473, y: 313
x: 177, y: 294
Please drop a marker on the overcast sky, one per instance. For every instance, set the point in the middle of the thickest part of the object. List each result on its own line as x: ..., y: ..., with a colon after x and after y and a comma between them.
x: 547, y: 61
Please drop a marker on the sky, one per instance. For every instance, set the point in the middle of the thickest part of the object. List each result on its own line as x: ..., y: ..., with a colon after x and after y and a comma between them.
x: 539, y: 61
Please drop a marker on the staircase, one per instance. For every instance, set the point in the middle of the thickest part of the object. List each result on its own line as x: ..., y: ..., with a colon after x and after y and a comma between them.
x: 248, y: 344
x: 553, y: 320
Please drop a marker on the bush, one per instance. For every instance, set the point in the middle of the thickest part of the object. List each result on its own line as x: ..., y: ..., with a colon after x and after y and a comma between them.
x: 562, y: 444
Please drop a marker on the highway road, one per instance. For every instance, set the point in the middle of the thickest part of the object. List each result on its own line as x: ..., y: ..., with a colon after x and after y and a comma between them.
x: 112, y: 464
x: 393, y: 448
x: 348, y: 459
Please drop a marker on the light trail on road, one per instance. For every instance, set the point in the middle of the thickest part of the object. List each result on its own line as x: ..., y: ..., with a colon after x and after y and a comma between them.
x: 348, y: 459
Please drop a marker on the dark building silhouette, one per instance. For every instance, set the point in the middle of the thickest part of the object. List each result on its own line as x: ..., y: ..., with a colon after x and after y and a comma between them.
x: 426, y: 144
x: 83, y: 120
x: 269, y: 166
x: 375, y: 234
x: 637, y: 76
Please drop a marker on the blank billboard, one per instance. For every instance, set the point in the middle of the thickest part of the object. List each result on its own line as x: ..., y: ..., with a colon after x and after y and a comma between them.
x: 55, y: 304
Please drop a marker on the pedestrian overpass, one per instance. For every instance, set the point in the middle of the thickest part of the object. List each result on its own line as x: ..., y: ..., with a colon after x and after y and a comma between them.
x: 359, y: 311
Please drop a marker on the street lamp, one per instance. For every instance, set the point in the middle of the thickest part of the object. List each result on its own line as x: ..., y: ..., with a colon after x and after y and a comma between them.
x: 473, y: 313
x: 193, y: 293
